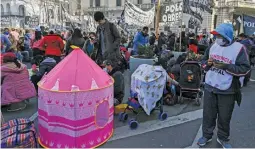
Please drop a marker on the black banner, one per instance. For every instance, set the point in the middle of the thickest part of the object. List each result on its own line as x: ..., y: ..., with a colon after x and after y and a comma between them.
x: 249, y: 25
x: 237, y: 21
x: 5, y: 21
x: 172, y: 12
x: 32, y: 21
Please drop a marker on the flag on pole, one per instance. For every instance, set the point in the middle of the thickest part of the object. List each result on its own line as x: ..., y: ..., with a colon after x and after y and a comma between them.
x: 122, y: 17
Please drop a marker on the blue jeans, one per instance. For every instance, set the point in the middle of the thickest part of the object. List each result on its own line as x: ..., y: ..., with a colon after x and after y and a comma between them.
x: 25, y: 55
x: 19, y: 56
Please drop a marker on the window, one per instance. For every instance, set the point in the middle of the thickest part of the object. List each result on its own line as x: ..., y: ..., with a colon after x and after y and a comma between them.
x: 78, y: 4
x: 139, y: 1
x: 8, y: 8
x: 118, y: 2
x: 2, y: 9
x: 97, y: 4
x: 59, y: 15
x: 91, y: 3
x: 21, y: 10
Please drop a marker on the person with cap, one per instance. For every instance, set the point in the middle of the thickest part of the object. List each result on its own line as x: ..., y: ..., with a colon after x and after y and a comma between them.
x: 53, y: 45
x: 109, y: 39
x: 119, y: 86
x: 225, y: 62
x: 16, y: 86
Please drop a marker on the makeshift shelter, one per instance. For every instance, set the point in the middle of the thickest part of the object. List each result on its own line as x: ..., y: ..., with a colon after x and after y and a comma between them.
x: 75, y: 104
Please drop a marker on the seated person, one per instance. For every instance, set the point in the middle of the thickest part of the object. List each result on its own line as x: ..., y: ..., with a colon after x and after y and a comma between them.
x: 16, y: 86
x: 119, y: 86
x: 45, y: 67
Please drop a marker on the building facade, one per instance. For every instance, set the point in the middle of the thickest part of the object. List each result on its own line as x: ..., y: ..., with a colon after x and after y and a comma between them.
x: 51, y: 13
x: 112, y: 8
x: 12, y: 13
x: 225, y: 9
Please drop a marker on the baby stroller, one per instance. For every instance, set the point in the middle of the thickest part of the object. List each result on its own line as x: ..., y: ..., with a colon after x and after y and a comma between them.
x: 147, y: 86
x: 190, y: 81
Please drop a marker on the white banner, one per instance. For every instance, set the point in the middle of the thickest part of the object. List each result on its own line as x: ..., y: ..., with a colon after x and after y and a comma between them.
x: 136, y: 16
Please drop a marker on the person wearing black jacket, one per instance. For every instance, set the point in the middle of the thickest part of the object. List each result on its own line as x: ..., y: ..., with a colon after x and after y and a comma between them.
x: 76, y: 39
x: 119, y: 86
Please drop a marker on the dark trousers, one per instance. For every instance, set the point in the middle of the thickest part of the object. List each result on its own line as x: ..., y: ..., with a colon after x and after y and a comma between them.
x: 220, y: 107
x: 247, y: 78
x: 35, y: 79
x: 56, y: 58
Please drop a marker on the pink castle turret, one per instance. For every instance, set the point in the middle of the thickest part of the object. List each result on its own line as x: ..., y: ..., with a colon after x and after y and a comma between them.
x: 75, y: 107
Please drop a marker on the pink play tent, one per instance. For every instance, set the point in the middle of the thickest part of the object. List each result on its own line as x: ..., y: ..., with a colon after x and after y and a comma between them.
x: 75, y: 104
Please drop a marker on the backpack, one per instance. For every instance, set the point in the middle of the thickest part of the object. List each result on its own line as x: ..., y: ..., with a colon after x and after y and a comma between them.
x: 18, y: 133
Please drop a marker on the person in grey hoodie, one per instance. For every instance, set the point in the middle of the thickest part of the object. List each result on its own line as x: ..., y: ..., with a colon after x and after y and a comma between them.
x: 226, y: 63
x: 45, y: 67
x: 109, y: 39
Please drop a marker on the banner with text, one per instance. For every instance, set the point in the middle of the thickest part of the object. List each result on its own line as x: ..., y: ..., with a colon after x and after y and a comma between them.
x: 248, y: 25
x: 5, y: 21
x: 172, y: 13
x: 191, y: 12
x: 32, y: 21
x: 136, y: 16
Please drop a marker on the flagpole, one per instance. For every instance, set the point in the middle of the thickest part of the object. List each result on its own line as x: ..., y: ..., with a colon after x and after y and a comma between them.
x: 157, y: 19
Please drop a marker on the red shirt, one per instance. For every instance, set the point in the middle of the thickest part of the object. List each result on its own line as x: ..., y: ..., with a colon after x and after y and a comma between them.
x: 53, y: 45
x: 193, y: 48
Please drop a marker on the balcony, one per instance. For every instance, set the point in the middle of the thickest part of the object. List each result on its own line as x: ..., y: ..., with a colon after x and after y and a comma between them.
x: 105, y: 8
x: 145, y: 7
x: 10, y: 14
x: 236, y: 4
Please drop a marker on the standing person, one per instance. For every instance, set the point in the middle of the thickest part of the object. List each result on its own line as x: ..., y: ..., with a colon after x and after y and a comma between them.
x: 204, y: 41
x: 161, y: 40
x: 171, y: 42
x: 91, y: 48
x: 5, y: 43
x: 76, y: 39
x: 243, y: 39
x: 15, y: 34
x: 68, y: 34
x: 84, y: 34
x: 184, y: 42
x: 109, y: 39
x: 14, y: 48
x: 27, y: 43
x: 53, y: 45
x: 193, y: 43
x: 226, y: 61
x: 141, y: 39
x: 130, y: 42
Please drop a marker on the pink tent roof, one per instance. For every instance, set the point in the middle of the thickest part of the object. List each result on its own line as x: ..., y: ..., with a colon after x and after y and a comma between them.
x: 76, y: 72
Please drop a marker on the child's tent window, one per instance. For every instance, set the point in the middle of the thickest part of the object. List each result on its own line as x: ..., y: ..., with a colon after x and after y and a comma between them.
x: 102, y: 113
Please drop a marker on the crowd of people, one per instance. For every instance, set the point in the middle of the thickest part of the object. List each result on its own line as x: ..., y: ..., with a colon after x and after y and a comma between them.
x: 110, y: 50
